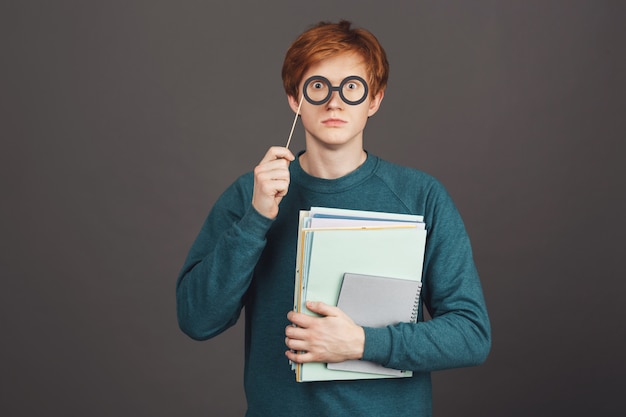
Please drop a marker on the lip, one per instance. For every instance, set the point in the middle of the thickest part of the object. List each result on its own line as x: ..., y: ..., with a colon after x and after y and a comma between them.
x: 333, y: 122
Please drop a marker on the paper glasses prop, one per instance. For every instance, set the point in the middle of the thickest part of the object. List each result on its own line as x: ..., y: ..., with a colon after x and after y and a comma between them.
x: 318, y: 90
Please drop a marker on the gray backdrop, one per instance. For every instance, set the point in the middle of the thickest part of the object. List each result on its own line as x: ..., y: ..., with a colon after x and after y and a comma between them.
x: 122, y: 122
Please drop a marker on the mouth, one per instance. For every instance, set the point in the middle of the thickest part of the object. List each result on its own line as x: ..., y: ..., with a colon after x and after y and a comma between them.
x: 333, y: 122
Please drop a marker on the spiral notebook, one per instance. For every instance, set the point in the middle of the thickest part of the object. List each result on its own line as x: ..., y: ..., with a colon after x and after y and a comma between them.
x: 374, y: 301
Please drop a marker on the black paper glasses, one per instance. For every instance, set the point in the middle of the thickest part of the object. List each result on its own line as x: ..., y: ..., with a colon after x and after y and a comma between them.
x: 352, y: 90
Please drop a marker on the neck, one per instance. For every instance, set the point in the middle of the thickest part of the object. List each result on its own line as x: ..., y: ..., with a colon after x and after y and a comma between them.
x: 331, y: 164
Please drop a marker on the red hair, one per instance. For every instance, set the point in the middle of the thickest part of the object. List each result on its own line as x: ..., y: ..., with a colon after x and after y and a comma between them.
x: 325, y: 40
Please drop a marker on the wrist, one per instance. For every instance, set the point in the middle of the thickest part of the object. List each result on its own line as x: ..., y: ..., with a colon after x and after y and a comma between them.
x: 267, y: 212
x: 359, y: 343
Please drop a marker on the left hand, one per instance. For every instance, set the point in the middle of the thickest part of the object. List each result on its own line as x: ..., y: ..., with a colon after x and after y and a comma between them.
x: 334, y: 337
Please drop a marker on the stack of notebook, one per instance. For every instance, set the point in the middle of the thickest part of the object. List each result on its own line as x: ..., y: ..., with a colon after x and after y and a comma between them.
x: 367, y: 263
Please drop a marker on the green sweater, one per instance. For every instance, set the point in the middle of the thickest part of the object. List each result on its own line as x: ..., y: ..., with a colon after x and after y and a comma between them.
x: 242, y: 259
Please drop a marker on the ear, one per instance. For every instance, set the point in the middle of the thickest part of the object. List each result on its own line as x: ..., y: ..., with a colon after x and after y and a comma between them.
x: 293, y: 103
x: 375, y: 103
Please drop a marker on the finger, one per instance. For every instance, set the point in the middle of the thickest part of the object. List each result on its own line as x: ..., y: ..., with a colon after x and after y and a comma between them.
x: 274, y: 189
x: 277, y: 152
x: 276, y: 169
x: 299, y: 357
x: 295, y: 332
x: 271, y: 172
x: 300, y: 319
x: 295, y: 344
x: 323, y: 308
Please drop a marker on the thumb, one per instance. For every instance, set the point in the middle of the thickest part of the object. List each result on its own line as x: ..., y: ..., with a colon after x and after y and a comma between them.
x: 321, y: 308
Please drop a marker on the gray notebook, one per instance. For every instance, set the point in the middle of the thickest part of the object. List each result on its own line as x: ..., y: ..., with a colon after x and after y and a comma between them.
x: 373, y: 301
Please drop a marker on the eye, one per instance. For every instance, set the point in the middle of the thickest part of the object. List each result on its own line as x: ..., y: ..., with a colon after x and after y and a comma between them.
x: 352, y: 86
x: 318, y: 85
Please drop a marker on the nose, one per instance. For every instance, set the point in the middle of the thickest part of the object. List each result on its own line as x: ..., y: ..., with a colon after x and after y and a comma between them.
x: 335, y: 101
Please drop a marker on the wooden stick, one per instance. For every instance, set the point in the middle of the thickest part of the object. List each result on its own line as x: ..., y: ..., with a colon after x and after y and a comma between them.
x: 295, y: 119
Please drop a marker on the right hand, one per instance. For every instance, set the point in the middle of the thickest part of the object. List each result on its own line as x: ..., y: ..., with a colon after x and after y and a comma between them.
x: 271, y: 180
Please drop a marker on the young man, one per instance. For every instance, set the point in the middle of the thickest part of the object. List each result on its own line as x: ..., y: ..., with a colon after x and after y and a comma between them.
x: 245, y: 252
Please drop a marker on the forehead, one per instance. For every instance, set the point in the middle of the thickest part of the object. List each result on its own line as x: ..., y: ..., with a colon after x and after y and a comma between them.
x: 338, y: 67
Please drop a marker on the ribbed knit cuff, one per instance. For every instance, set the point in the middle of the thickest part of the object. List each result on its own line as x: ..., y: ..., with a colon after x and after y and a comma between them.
x: 377, y: 345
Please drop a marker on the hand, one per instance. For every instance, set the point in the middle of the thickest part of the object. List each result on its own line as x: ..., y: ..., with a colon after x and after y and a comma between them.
x: 334, y: 337
x: 271, y: 181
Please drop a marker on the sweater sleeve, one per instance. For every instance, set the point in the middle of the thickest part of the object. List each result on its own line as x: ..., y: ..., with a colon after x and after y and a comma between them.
x: 218, y: 270
x: 459, y: 332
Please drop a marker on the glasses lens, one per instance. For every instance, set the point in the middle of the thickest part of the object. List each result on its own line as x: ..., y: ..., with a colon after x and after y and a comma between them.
x: 317, y: 89
x: 353, y: 90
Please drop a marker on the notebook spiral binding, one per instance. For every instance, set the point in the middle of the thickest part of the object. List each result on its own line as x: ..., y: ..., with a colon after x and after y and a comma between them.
x: 416, y: 303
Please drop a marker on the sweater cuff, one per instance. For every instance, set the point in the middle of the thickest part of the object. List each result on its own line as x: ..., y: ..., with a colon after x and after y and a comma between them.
x: 377, y: 345
x: 255, y: 223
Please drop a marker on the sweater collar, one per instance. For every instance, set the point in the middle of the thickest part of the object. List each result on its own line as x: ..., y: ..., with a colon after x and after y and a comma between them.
x: 322, y: 185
